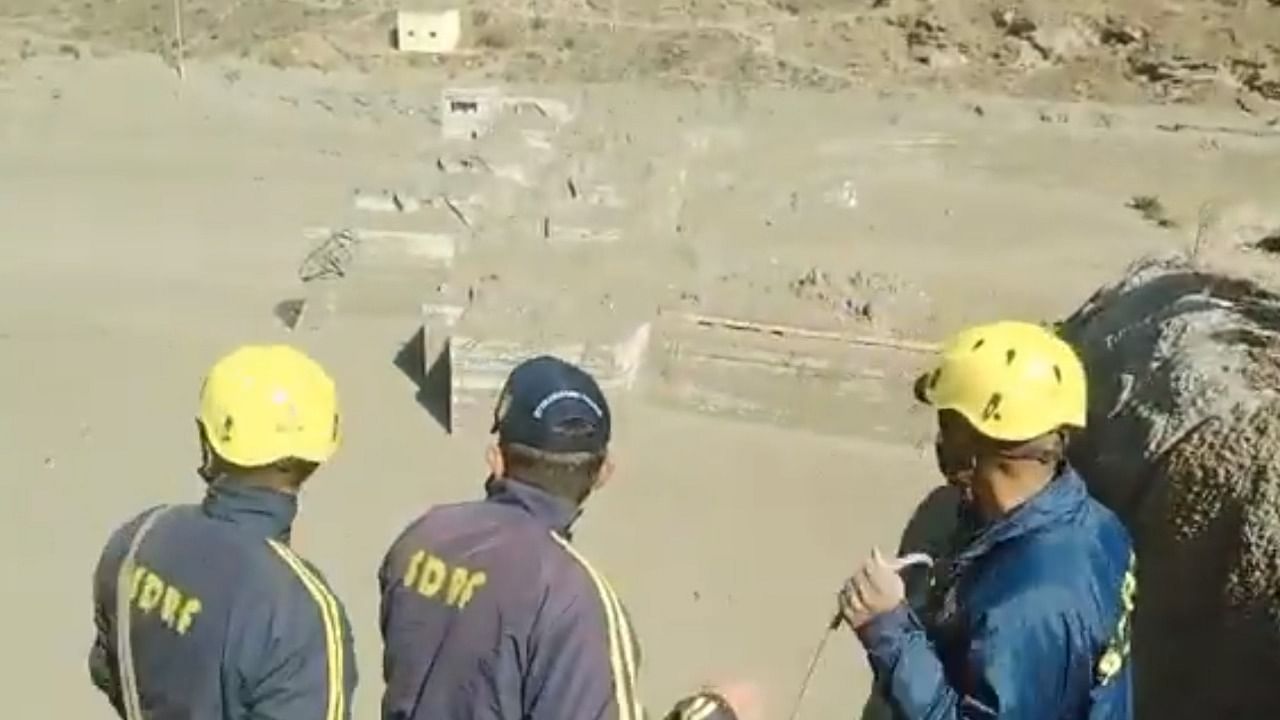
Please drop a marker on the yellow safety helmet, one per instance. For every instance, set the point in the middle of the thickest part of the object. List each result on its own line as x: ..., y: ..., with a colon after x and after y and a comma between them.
x: 1013, y: 381
x: 265, y: 403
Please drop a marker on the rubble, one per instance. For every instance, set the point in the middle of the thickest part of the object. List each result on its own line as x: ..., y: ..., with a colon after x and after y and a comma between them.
x: 1184, y: 431
x: 340, y: 250
x: 1152, y: 210
x: 783, y: 375
x: 475, y: 365
x: 471, y: 113
x: 878, y: 300
x: 330, y: 257
x: 387, y: 201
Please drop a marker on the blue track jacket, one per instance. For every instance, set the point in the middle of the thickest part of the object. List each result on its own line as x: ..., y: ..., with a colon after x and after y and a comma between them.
x: 488, y: 613
x: 227, y: 622
x: 1034, y: 623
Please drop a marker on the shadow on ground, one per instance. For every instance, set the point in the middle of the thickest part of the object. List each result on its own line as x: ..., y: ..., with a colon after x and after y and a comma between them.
x: 433, y: 385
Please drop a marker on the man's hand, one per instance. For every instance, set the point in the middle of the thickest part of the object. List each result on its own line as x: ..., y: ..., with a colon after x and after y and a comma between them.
x: 875, y: 589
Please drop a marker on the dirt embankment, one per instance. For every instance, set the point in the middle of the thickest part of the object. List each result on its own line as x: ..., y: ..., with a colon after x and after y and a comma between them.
x: 1203, y: 51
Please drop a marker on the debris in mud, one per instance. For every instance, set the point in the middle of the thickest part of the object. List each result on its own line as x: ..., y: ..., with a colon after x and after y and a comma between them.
x: 1258, y: 78
x: 927, y: 43
x: 1021, y: 28
x: 1152, y: 210
x: 469, y: 163
x: 289, y: 312
x: 1184, y: 428
x: 855, y: 296
x: 1269, y: 243
x: 1014, y: 23
x: 330, y: 258
x: 846, y: 195
x: 1174, y: 77
x: 1052, y: 44
x: 390, y: 201
x: 1060, y: 117
x: 1223, y: 129
x: 1115, y: 31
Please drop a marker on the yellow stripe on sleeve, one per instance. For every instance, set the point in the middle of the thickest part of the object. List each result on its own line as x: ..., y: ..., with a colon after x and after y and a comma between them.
x: 331, y: 618
x: 621, y: 654
x: 626, y: 638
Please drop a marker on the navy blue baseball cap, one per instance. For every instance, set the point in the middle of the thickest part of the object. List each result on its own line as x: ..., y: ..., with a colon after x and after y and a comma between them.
x: 554, y: 406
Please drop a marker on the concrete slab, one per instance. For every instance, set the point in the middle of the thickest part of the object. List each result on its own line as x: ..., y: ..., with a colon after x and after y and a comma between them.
x: 791, y: 377
x: 392, y: 248
x: 475, y: 368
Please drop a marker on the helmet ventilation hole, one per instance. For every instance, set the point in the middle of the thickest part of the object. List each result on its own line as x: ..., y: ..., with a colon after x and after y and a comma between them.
x: 980, y: 343
x: 1057, y: 373
x: 991, y: 411
x: 1009, y: 355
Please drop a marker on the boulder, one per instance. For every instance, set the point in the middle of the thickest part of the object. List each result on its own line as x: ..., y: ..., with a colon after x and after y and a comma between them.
x: 1184, y: 443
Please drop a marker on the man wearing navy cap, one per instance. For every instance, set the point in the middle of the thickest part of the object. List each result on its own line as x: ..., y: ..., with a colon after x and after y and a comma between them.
x: 487, y: 610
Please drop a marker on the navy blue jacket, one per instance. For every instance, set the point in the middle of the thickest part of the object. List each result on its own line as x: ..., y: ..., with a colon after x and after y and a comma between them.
x: 227, y: 621
x: 489, y: 612
x: 1034, y: 624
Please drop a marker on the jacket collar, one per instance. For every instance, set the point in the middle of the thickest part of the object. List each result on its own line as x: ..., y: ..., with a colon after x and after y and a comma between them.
x: 264, y: 512
x: 1062, y: 498
x: 556, y: 513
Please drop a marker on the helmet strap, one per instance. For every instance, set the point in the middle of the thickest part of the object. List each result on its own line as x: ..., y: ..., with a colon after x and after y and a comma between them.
x: 208, y: 468
x: 950, y: 462
x: 1036, y: 451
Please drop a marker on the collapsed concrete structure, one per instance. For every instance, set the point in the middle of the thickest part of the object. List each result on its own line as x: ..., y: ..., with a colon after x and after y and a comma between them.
x: 1183, y: 442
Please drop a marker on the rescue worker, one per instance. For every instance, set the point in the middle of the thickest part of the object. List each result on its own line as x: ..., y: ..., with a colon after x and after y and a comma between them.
x: 488, y: 611
x: 1031, y: 618
x: 221, y: 618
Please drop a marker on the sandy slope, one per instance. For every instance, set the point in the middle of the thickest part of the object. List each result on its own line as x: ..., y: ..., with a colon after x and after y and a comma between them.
x: 1212, y: 51
x: 147, y: 228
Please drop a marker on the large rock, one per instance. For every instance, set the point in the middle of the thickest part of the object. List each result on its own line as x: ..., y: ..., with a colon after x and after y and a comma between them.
x: 1184, y: 367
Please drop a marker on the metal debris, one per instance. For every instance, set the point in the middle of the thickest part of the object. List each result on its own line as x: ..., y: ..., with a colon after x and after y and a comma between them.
x: 456, y: 211
x: 331, y: 258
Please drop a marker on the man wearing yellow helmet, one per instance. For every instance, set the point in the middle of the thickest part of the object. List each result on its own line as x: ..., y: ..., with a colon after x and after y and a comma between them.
x: 1030, y: 620
x: 204, y: 611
